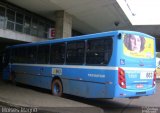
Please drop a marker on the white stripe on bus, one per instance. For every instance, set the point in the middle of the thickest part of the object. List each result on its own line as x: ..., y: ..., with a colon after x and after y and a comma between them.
x: 138, y: 69
x: 87, y: 67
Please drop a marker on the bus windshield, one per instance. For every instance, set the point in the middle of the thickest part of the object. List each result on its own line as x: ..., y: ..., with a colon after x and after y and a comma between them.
x: 137, y: 46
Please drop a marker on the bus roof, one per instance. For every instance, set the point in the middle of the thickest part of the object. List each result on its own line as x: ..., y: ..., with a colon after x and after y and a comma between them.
x: 82, y: 37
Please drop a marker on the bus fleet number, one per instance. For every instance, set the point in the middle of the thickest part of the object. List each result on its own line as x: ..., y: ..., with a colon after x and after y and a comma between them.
x: 146, y: 75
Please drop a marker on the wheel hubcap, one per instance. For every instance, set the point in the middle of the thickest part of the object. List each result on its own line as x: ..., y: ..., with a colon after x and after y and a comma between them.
x: 56, y: 89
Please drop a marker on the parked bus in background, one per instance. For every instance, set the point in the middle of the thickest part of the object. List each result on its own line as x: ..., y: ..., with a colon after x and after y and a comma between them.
x: 115, y: 64
x: 158, y: 65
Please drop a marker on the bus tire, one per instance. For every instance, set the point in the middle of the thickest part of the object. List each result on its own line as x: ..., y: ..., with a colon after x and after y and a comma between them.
x: 57, y: 89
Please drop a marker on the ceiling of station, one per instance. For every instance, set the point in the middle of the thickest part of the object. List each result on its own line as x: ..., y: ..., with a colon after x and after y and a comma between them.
x: 89, y: 16
x: 9, y: 41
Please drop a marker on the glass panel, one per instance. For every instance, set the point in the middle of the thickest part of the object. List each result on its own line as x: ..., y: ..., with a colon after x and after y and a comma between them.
x: 27, y: 24
x: 47, y: 26
x: 99, y: 51
x: 2, y: 11
x: 11, y: 15
x: 19, y: 27
x: 11, y: 19
x: 43, y: 54
x: 75, y: 52
x: 34, y: 28
x: 57, y: 53
x: 10, y: 25
x: 19, y: 55
x: 41, y: 29
x: 31, y: 54
x: 19, y: 22
x: 2, y: 17
x: 19, y: 18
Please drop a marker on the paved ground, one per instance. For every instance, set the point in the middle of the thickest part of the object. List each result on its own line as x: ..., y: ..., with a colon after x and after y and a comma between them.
x: 150, y: 101
x: 11, y: 95
x: 146, y: 104
x: 26, y: 96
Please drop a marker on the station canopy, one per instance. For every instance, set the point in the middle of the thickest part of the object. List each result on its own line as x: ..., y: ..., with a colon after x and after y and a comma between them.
x: 141, y: 12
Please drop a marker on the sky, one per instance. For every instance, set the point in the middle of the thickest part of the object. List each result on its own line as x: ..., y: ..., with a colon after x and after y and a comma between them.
x: 141, y: 12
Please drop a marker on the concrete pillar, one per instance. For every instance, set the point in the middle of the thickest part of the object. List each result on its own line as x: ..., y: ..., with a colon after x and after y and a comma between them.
x: 63, y: 27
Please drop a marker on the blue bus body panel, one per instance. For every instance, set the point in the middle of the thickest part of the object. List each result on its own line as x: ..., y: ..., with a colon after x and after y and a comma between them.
x: 33, y: 75
x: 90, y: 83
x: 6, y: 73
x: 93, y: 84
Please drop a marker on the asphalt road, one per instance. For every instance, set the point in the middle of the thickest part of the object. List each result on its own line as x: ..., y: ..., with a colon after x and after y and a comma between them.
x: 146, y: 104
x: 26, y: 96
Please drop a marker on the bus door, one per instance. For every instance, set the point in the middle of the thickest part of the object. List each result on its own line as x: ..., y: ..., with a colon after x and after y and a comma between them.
x: 1, y: 64
x: 6, y: 65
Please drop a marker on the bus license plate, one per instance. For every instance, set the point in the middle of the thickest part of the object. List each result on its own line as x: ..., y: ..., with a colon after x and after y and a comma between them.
x: 139, y: 85
x: 146, y: 75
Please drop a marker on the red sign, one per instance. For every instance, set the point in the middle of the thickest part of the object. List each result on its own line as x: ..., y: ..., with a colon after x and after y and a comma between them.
x: 51, y: 33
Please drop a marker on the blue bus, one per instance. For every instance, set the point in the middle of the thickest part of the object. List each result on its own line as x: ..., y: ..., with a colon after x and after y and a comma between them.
x: 115, y: 64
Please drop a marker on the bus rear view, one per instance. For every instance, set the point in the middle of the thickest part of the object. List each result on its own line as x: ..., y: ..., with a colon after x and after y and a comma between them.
x: 136, y: 66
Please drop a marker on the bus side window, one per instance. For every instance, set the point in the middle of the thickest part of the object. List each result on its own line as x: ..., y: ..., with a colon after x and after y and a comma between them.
x: 31, y: 54
x: 57, y: 54
x: 99, y: 51
x: 43, y: 54
x: 75, y: 52
x: 20, y: 55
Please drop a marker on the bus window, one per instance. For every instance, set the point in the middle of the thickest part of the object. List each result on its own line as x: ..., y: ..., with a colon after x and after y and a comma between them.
x: 31, y: 54
x: 57, y: 53
x: 43, y: 54
x: 19, y: 55
x: 99, y: 51
x: 75, y: 52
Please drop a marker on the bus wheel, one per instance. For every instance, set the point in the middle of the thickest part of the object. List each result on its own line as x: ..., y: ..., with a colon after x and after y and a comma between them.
x: 57, y: 89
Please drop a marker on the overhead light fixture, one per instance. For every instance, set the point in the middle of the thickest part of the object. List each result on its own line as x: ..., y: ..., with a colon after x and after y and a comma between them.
x: 133, y: 14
